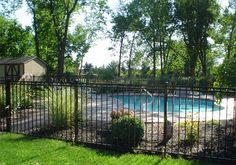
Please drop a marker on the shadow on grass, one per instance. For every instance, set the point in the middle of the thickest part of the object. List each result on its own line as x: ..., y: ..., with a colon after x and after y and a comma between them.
x: 37, y: 156
x: 119, y: 154
x: 21, y: 137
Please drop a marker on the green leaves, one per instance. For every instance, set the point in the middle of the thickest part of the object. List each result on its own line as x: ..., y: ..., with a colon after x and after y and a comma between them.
x: 226, y: 35
x: 127, y: 131
x: 227, y: 73
x: 195, y: 19
x: 15, y: 41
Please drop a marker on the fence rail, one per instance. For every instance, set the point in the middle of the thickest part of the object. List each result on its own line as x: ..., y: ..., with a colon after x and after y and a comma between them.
x: 160, y: 80
x: 196, y: 121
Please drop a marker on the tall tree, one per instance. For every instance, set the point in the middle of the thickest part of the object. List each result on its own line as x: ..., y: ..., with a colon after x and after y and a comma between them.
x: 226, y: 35
x: 120, y: 28
x: 80, y: 42
x: 33, y: 6
x: 194, y: 21
x: 153, y: 21
x: 61, y: 13
x: 44, y: 34
x: 130, y: 54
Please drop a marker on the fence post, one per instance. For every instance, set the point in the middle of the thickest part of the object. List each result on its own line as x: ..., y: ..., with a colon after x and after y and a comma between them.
x: 234, y: 111
x: 165, y: 116
x: 8, y: 104
x: 76, y: 121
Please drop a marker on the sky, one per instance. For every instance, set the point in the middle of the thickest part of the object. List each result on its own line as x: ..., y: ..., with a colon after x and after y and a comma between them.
x: 99, y: 54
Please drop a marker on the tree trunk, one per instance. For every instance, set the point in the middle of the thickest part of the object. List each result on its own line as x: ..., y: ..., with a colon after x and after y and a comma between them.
x: 192, y: 61
x: 130, y: 56
x: 35, y: 26
x: 81, y: 66
x: 161, y: 54
x: 36, y: 38
x: 202, y: 57
x: 120, y: 54
x: 61, y: 59
x: 154, y: 64
x: 230, y: 44
x: 61, y: 34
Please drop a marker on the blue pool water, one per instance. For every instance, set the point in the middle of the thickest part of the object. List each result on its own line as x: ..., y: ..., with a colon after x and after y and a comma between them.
x: 175, y: 104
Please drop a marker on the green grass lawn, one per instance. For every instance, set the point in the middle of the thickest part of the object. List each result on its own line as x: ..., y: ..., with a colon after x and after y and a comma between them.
x: 21, y: 149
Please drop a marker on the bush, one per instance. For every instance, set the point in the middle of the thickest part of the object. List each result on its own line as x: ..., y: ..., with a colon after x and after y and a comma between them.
x: 127, y: 131
x: 191, y: 131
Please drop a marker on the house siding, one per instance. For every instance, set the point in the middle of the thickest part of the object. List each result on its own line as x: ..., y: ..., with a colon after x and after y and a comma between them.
x: 35, y: 67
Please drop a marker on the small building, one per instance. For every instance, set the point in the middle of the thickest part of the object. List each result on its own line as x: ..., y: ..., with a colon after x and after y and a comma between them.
x: 19, y: 66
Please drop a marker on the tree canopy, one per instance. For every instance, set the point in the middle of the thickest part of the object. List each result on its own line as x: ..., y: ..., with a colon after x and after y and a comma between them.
x: 15, y: 40
x: 151, y: 38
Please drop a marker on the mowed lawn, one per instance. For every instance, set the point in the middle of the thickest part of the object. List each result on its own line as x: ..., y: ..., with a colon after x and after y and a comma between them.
x: 21, y: 149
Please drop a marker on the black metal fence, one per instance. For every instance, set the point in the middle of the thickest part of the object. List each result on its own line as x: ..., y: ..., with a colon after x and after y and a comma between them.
x: 196, y: 121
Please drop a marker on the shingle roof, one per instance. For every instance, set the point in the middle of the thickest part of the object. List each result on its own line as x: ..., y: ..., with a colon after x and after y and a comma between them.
x: 16, y: 60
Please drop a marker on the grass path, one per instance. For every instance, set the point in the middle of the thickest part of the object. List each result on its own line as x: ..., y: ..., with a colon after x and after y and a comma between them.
x: 21, y: 149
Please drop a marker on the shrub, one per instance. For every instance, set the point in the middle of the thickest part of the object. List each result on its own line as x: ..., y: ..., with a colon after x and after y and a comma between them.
x: 191, y: 131
x: 127, y: 131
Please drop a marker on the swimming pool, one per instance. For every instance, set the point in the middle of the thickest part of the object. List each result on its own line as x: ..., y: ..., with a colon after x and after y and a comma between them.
x: 175, y: 104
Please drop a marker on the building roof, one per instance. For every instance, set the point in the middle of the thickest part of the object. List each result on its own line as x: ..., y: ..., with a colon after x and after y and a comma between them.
x: 17, y: 60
